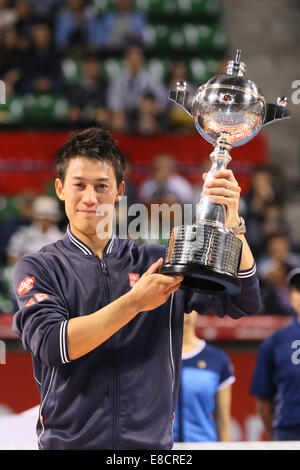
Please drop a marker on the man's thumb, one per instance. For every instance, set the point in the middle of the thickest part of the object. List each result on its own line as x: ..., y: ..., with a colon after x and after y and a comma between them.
x: 155, y: 266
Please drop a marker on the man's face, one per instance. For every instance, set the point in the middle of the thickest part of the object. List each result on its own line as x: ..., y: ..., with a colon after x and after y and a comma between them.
x: 295, y: 299
x: 90, y: 186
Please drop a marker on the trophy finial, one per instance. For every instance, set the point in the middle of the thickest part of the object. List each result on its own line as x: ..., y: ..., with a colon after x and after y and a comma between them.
x: 236, y: 67
x: 238, y: 56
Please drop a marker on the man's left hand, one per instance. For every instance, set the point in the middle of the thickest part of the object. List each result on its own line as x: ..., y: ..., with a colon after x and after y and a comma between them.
x: 223, y: 189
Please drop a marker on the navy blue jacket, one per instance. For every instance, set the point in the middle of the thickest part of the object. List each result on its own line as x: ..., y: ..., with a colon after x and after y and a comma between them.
x: 121, y: 395
x: 276, y: 376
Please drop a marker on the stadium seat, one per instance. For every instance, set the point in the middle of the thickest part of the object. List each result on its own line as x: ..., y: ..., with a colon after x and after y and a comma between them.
x: 199, y: 7
x: 71, y: 69
x: 45, y: 108
x: 186, y: 37
x: 159, y: 67
x: 202, y: 70
x: 103, y: 5
x: 12, y: 111
x: 112, y: 68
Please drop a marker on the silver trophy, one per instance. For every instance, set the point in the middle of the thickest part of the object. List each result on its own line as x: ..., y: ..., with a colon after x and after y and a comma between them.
x: 228, y: 110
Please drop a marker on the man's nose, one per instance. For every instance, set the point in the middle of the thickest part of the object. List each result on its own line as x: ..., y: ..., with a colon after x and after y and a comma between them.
x: 89, y: 196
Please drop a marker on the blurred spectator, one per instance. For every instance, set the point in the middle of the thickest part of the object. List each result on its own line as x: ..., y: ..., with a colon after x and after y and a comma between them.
x: 29, y: 239
x: 42, y: 231
x: 123, y: 27
x: 77, y: 27
x: 278, y: 251
x: 12, y: 61
x: 130, y: 186
x: 263, y: 191
x: 23, y: 217
x: 274, y: 220
x: 276, y: 378
x: 165, y: 183
x: 178, y: 118
x: 26, y: 17
x: 8, y: 14
x: 204, y: 398
x: 47, y: 8
x: 126, y: 91
x: 87, y: 96
x: 149, y: 117
x: 43, y: 68
x: 274, y: 291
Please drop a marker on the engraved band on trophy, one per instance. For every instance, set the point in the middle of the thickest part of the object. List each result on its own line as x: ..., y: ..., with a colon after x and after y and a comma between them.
x: 228, y: 111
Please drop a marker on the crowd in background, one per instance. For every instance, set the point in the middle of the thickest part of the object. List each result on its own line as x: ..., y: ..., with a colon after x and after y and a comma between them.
x: 35, y: 37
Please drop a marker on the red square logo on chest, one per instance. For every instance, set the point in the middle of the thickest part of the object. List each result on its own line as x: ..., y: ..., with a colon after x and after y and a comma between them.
x: 133, y: 278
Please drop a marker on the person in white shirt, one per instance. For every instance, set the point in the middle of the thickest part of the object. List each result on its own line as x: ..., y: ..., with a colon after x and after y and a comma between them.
x: 42, y: 231
x: 128, y: 88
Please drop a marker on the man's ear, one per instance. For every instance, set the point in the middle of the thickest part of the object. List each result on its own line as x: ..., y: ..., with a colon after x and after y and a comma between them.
x: 59, y: 188
x: 121, y: 191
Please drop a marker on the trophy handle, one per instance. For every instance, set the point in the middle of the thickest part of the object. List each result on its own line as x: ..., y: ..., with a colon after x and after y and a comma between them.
x: 277, y: 111
x: 180, y: 96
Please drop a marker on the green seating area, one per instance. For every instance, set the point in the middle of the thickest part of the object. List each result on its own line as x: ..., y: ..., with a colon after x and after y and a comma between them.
x: 188, y: 26
x: 34, y: 109
x: 199, y: 69
x: 47, y: 108
x: 167, y: 8
x: 186, y: 30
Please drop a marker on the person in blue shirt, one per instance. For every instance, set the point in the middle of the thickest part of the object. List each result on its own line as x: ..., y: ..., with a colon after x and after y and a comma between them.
x: 77, y: 25
x: 204, y: 399
x: 276, y: 378
x: 123, y: 27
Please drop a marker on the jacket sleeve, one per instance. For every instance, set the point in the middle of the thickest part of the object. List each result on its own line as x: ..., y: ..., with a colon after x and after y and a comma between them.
x: 246, y: 303
x: 42, y: 318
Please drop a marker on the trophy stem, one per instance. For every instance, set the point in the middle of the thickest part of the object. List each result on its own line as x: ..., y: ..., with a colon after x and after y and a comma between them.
x: 207, y: 211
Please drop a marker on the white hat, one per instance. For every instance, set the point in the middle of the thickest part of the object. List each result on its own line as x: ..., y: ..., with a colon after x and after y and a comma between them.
x: 45, y: 207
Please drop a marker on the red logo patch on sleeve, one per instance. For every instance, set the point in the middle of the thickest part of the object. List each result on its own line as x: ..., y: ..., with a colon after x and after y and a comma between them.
x: 133, y: 278
x: 31, y: 301
x: 25, y: 285
x: 40, y: 297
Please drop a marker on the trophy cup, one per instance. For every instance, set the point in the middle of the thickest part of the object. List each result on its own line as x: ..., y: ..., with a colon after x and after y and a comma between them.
x: 228, y: 110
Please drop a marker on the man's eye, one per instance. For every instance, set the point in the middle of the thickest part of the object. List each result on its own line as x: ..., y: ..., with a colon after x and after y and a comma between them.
x: 102, y: 186
x: 79, y: 185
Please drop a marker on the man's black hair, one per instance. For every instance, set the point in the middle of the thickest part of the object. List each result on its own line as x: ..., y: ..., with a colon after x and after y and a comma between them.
x: 93, y: 143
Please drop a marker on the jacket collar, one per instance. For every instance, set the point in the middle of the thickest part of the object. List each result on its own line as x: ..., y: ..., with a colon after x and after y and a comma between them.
x: 78, y: 244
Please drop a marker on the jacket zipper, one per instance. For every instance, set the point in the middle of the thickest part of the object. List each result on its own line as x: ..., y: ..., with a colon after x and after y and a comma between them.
x: 113, y: 343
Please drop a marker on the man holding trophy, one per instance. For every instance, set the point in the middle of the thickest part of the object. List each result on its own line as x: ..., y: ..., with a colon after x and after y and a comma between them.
x: 103, y: 316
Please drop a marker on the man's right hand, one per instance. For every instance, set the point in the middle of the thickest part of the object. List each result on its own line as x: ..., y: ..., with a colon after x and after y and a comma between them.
x: 153, y: 289
x: 87, y: 332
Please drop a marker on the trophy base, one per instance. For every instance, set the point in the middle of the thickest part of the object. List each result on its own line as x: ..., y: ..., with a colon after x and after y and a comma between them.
x: 202, y: 279
x: 208, y: 256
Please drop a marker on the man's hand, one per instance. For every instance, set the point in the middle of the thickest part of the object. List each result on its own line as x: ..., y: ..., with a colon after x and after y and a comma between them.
x: 153, y: 289
x: 224, y: 189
